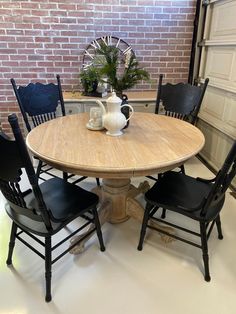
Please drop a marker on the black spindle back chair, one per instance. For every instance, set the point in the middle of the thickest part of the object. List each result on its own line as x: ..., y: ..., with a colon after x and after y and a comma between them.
x: 198, y: 199
x: 181, y: 101
x: 45, y: 209
x: 40, y: 103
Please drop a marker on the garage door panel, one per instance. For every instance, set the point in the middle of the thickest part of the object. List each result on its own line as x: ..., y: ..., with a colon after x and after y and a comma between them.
x: 223, y: 20
x: 213, y: 103
x: 230, y: 114
x: 220, y: 65
x: 218, y: 62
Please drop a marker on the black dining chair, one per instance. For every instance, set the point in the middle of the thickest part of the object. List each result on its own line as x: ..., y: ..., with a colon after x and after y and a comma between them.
x: 198, y: 199
x: 40, y: 103
x: 45, y: 209
x: 181, y: 101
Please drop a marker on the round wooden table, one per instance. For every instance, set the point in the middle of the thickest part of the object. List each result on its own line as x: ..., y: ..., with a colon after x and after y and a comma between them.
x: 150, y: 145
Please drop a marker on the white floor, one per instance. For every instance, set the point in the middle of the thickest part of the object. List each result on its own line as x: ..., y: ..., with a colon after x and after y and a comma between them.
x: 163, y: 278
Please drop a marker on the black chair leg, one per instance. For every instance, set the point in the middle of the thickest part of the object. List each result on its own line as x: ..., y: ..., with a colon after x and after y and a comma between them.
x: 11, y: 243
x: 144, y: 226
x: 163, y: 215
x: 48, y: 268
x: 182, y: 169
x: 39, y: 168
x: 205, y: 250
x: 218, y: 224
x: 98, y: 181
x: 98, y: 230
x: 65, y: 176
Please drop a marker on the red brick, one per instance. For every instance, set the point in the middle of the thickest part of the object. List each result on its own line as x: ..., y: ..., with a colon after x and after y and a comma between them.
x: 8, y: 51
x: 4, y: 57
x: 67, y: 20
x: 5, y: 12
x: 47, y: 6
x: 35, y: 57
x: 10, y: 63
x: 43, y: 39
x: 58, y: 13
x: 16, y: 45
x: 162, y: 16
x: 8, y: 5
x: 29, y: 5
x: 171, y: 10
x: 67, y: 7
x: 40, y: 26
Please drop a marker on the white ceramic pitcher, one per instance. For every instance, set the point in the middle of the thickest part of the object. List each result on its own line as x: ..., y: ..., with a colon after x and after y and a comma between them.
x: 113, y: 119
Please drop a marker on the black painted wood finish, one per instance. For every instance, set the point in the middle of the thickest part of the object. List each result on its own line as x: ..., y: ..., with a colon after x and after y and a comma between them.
x: 45, y: 209
x: 181, y: 101
x: 198, y: 199
x: 39, y: 103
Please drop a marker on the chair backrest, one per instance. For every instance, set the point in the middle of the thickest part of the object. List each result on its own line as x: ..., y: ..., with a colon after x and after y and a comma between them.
x: 13, y: 158
x: 223, y: 180
x: 182, y: 101
x: 39, y: 101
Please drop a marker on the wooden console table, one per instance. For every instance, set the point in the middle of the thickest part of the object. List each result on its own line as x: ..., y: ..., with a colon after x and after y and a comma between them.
x: 141, y: 101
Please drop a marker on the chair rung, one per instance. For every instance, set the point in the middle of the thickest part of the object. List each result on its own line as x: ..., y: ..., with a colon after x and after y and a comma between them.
x: 175, y: 236
x: 70, y: 176
x: 49, y: 173
x: 58, y: 244
x: 32, y: 236
x: 30, y: 247
x: 79, y: 180
x: 152, y: 178
x: 42, y: 178
x: 71, y: 235
x: 176, y: 226
x: 45, y: 165
x: 71, y: 247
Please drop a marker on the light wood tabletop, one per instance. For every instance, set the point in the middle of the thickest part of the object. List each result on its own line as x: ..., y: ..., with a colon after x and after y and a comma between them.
x: 150, y: 145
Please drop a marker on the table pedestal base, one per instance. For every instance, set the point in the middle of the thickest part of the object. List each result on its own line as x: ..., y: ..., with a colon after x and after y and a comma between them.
x: 118, y: 192
x: 118, y: 204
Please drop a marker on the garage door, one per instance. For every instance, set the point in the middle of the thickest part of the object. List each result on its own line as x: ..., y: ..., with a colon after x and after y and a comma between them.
x: 217, y: 61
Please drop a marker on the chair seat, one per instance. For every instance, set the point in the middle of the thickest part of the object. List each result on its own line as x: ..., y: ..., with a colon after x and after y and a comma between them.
x: 64, y: 199
x: 183, y: 194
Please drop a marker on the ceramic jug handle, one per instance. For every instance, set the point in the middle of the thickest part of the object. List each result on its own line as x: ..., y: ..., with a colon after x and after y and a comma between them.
x: 132, y: 111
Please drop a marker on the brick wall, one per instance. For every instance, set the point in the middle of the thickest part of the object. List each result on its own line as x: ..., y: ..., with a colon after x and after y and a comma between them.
x: 39, y: 39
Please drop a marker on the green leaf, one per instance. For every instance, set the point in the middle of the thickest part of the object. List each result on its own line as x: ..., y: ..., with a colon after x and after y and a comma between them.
x: 115, y: 69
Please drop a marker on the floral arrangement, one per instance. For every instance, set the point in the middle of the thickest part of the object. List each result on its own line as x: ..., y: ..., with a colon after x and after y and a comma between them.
x: 121, y: 71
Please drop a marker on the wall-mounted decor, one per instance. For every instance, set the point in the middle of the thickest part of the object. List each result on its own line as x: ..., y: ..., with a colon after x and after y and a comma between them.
x: 90, y: 53
x: 114, y: 63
